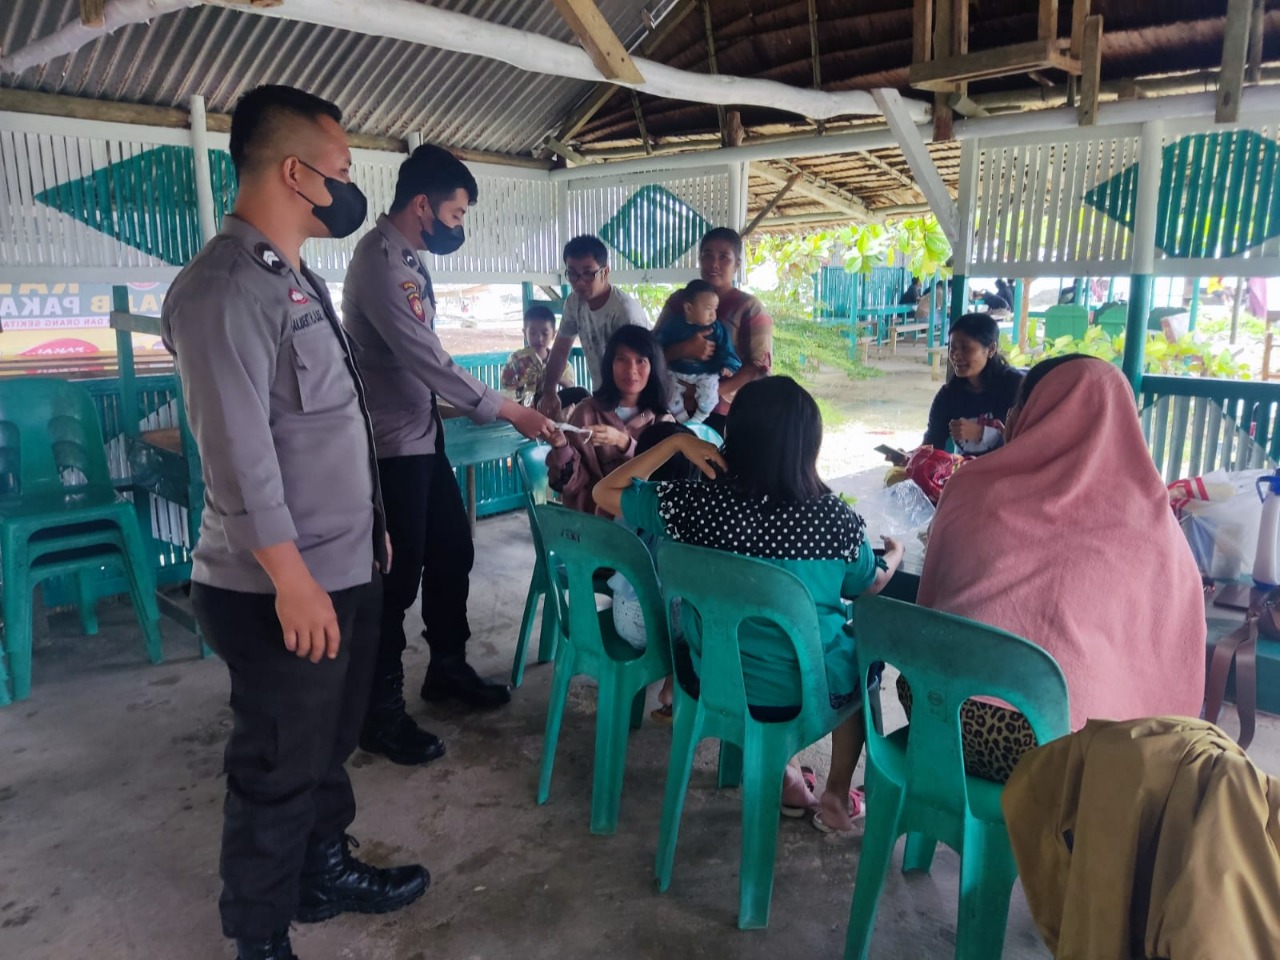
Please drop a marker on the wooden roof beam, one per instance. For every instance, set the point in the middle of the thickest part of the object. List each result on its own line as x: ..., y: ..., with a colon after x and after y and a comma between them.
x: 1235, y: 50
x: 815, y: 188
x: 594, y: 103
x: 598, y: 39
x: 769, y: 207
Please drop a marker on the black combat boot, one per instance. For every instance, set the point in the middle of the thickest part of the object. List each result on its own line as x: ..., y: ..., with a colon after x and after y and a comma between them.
x: 388, y: 729
x: 273, y: 948
x: 452, y: 678
x: 334, y: 882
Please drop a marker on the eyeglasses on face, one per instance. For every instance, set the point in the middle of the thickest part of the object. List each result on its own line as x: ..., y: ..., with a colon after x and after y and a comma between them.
x: 588, y: 275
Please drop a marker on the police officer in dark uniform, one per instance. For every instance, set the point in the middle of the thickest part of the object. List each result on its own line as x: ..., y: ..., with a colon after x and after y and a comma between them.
x: 285, y: 579
x: 388, y: 307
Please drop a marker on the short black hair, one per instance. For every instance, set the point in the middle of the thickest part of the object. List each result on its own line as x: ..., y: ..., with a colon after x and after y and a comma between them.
x: 258, y: 113
x: 728, y: 235
x: 695, y: 287
x: 656, y: 395
x: 771, y: 442
x: 540, y: 313
x: 587, y: 245
x: 435, y: 173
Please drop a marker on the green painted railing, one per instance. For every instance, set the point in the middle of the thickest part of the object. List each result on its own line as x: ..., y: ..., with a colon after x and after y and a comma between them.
x: 498, y: 487
x: 1194, y: 425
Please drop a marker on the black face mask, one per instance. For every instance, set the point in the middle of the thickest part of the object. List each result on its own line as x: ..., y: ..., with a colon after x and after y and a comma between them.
x: 445, y: 240
x: 347, y: 206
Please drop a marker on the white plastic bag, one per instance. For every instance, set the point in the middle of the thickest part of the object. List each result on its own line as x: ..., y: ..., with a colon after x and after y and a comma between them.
x: 1223, y: 533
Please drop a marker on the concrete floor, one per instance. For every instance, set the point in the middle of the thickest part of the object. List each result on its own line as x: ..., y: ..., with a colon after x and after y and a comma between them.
x: 110, y: 802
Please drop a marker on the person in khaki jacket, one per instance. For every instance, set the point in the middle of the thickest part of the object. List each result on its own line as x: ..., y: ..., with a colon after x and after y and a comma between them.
x: 284, y: 575
x: 1153, y: 838
x: 389, y: 309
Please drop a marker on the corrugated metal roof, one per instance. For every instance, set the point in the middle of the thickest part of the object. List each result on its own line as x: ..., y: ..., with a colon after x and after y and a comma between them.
x: 385, y: 87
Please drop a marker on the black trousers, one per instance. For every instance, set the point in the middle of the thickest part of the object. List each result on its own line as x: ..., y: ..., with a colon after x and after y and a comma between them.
x: 295, y: 724
x: 431, y: 549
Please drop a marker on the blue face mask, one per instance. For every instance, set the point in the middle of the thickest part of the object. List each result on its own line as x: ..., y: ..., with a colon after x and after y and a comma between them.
x: 346, y: 209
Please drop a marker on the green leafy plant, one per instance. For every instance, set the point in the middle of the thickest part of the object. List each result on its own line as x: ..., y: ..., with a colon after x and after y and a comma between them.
x: 1190, y: 355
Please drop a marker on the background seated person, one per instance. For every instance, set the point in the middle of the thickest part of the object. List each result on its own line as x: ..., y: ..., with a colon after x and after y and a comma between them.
x: 594, y: 311
x: 525, y: 374
x: 744, y: 316
x: 971, y: 407
x: 1065, y: 537
x: 634, y: 395
x: 765, y: 500
x: 699, y: 320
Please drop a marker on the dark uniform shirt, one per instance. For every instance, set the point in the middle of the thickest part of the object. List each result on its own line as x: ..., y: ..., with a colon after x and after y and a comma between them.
x: 388, y: 308
x: 277, y: 410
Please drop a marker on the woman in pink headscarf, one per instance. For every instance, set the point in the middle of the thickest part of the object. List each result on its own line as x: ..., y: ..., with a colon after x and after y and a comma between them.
x: 1065, y: 537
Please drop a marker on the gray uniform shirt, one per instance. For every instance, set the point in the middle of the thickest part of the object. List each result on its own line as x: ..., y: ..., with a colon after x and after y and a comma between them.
x: 277, y: 409
x: 388, y: 308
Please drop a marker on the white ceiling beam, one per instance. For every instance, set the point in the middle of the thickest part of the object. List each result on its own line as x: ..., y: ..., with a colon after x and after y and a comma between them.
x: 925, y: 171
x: 428, y: 26
x: 75, y: 34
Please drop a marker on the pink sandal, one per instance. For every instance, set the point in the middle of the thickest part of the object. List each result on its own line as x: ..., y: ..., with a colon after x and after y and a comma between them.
x: 858, y: 808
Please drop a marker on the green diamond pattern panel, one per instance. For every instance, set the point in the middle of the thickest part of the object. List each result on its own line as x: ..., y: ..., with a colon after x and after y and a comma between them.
x: 654, y: 228
x: 1219, y: 195
x: 147, y: 201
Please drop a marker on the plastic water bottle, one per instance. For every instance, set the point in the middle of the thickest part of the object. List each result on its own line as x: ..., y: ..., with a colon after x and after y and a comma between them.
x: 1266, y: 563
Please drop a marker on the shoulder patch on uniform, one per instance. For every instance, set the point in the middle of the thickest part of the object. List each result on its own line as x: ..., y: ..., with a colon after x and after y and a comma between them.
x: 414, y: 296
x: 297, y: 296
x: 410, y: 258
x: 267, y: 256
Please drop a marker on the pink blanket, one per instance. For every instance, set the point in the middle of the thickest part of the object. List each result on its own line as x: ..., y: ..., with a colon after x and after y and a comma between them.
x: 1065, y: 537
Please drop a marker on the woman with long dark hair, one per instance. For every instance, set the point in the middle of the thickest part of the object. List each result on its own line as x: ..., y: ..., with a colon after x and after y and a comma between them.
x: 720, y: 258
x: 768, y: 502
x: 971, y: 407
x: 635, y: 393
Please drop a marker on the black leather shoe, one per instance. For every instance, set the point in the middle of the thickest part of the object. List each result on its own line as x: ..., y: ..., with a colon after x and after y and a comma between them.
x: 456, y: 680
x: 334, y: 882
x: 389, y: 731
x: 276, y: 948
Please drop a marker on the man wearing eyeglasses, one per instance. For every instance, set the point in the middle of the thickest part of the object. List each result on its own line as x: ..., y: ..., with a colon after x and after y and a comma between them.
x: 592, y: 313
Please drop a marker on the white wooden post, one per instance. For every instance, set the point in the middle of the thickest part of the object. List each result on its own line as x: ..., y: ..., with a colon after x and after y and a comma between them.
x: 204, y: 174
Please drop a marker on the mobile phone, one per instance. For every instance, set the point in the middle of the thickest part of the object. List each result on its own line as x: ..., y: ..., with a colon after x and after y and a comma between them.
x: 897, y: 457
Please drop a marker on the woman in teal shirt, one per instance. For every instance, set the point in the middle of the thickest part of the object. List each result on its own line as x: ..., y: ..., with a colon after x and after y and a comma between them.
x: 767, y: 501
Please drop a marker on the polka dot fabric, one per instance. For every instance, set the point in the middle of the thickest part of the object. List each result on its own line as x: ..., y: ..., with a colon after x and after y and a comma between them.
x: 713, y: 515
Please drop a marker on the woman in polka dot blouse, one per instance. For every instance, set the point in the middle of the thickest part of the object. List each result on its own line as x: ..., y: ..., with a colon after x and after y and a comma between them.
x: 767, y: 501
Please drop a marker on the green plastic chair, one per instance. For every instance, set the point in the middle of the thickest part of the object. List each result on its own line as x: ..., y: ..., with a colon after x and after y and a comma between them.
x: 724, y: 590
x: 531, y: 464
x: 1112, y: 318
x: 917, y: 785
x: 59, y: 516
x: 1065, y: 320
x: 589, y: 645
x: 703, y: 432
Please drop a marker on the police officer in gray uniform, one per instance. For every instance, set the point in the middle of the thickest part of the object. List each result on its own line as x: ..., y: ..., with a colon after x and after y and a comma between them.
x: 284, y: 578
x: 388, y: 307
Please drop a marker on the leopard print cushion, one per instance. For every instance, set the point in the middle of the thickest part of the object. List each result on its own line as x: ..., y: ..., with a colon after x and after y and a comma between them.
x: 994, y: 737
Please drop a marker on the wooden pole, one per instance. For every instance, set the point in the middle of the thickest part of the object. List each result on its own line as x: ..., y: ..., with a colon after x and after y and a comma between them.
x: 1256, y: 28
x: 644, y: 132
x: 814, y: 54
x: 1090, y: 72
x: 711, y: 63
x: 1235, y: 47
